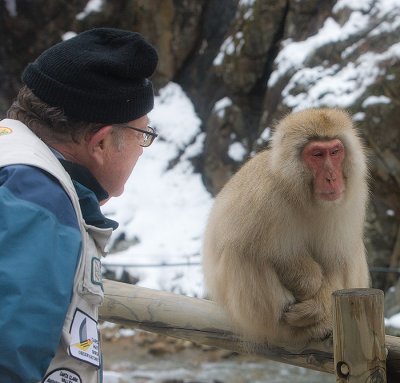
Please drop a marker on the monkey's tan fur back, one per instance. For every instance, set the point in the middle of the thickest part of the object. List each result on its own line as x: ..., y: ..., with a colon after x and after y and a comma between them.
x: 273, y: 253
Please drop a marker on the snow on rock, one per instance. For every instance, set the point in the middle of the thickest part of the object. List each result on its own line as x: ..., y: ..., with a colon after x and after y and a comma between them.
x: 337, y: 85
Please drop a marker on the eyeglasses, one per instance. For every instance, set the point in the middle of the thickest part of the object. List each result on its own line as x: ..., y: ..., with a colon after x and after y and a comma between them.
x: 148, y: 136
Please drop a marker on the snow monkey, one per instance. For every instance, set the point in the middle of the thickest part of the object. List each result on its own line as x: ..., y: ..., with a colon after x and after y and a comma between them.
x: 287, y: 230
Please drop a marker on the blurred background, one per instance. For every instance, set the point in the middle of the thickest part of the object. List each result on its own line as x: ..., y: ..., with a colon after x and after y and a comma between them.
x: 228, y: 70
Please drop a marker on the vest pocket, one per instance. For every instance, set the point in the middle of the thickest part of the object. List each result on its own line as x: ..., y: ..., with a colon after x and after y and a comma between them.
x: 91, y: 285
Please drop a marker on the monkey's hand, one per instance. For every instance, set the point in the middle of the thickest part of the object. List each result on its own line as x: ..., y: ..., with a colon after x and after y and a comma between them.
x: 309, y: 312
x: 303, y: 314
x: 314, y: 325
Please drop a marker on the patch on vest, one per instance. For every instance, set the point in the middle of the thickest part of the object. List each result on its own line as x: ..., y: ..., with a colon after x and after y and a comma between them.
x: 84, y: 344
x: 96, y: 275
x: 62, y: 375
x: 4, y: 130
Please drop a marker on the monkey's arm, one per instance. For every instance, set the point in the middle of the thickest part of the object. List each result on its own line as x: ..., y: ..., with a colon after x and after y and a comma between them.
x: 301, y: 275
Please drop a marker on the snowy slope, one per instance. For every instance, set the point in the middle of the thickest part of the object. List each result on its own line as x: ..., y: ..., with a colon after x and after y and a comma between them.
x: 165, y: 209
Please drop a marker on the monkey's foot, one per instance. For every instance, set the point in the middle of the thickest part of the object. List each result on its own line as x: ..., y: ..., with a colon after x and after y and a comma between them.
x: 320, y: 331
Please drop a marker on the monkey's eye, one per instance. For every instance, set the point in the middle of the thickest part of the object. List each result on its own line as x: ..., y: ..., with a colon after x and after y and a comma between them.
x: 334, y: 152
x: 317, y: 154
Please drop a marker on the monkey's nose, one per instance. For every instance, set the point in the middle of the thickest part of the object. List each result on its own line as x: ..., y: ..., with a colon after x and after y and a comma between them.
x: 331, y: 177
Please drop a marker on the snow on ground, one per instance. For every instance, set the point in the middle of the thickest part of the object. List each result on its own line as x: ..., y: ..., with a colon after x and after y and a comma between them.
x: 393, y: 321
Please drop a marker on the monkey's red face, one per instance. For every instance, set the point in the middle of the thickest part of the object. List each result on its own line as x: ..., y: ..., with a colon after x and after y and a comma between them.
x: 324, y: 159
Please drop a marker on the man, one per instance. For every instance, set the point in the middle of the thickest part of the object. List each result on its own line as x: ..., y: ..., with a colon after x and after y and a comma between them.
x: 70, y: 142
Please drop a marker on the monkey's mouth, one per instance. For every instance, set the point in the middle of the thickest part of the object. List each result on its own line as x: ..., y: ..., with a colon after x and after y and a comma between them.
x: 331, y: 195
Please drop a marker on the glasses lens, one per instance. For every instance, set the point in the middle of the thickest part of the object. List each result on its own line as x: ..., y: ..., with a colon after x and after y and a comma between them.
x: 146, y: 139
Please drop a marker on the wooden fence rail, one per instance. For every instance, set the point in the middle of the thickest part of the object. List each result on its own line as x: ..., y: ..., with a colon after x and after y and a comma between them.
x: 203, y: 322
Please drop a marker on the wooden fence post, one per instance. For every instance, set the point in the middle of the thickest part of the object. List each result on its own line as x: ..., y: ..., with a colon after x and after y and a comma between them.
x: 359, y: 336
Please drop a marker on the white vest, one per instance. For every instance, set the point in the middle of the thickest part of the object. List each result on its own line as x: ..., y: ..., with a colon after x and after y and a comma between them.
x: 78, y: 357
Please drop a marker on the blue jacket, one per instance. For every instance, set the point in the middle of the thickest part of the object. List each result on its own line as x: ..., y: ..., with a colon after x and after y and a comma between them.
x: 40, y: 245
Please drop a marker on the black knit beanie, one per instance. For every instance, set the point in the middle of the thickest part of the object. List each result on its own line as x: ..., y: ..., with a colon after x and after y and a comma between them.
x: 100, y: 75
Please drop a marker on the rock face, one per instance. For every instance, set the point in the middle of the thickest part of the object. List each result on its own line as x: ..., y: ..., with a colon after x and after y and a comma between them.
x: 246, y: 63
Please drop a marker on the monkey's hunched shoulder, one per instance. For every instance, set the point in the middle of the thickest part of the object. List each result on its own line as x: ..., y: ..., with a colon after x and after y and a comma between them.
x: 250, y: 177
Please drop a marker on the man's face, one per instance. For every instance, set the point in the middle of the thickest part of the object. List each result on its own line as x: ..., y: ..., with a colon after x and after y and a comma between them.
x: 120, y: 157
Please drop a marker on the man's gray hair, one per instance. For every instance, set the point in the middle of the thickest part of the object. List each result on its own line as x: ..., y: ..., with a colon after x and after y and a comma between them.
x: 50, y: 123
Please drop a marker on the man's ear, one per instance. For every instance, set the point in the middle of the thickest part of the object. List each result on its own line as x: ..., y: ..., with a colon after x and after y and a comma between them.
x: 98, y: 144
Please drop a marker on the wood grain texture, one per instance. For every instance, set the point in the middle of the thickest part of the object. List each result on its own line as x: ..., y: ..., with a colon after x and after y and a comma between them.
x: 359, y: 336
x: 202, y: 321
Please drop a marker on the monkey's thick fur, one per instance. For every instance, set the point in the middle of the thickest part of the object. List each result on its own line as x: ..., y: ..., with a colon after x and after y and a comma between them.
x: 273, y: 252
